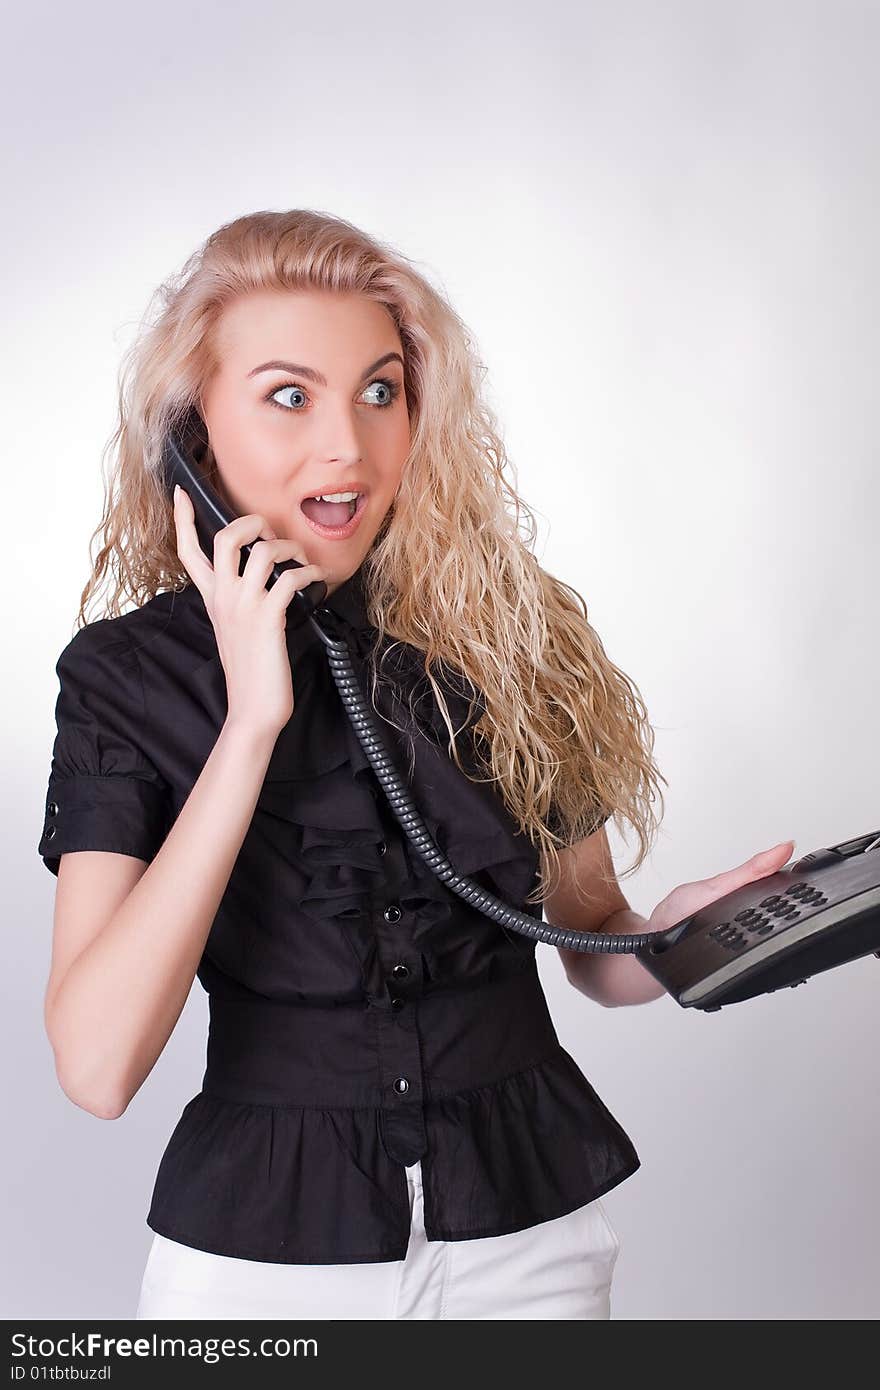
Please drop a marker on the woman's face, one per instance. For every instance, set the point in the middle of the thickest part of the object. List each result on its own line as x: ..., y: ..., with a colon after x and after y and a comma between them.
x: 306, y: 400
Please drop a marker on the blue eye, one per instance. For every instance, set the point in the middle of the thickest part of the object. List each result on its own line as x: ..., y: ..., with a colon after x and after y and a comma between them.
x: 297, y: 389
x: 391, y: 390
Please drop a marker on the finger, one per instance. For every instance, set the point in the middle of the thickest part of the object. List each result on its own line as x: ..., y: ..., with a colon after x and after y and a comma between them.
x: 761, y: 864
x: 290, y: 582
x: 779, y: 854
x: 265, y: 554
x: 195, y: 561
x: 229, y: 540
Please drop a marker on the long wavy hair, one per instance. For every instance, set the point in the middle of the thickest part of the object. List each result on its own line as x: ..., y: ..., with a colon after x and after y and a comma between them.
x: 563, y: 732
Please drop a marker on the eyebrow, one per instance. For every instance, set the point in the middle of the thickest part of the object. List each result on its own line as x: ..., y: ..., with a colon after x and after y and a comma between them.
x: 276, y: 365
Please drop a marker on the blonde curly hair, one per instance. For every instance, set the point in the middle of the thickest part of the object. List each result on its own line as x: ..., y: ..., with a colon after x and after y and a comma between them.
x: 563, y: 732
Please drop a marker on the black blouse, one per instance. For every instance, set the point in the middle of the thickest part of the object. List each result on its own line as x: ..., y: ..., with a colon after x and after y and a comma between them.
x: 362, y: 1015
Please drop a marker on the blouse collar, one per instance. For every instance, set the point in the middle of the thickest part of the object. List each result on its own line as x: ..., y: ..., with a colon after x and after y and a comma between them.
x: 348, y: 602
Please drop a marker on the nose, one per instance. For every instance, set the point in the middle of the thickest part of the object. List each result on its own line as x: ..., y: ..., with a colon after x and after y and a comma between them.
x: 339, y: 437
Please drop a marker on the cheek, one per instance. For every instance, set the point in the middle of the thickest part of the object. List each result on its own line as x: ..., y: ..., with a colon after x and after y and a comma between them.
x: 254, y: 475
x: 258, y: 456
x: 401, y: 443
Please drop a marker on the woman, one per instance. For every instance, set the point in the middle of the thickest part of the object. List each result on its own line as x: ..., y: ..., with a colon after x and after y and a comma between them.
x: 387, y: 1126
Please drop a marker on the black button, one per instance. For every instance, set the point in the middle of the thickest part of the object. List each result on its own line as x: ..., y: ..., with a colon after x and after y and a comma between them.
x: 401, y: 1085
x: 52, y: 809
x: 50, y: 831
x: 397, y: 1003
x: 400, y: 972
x: 392, y: 913
x: 382, y: 847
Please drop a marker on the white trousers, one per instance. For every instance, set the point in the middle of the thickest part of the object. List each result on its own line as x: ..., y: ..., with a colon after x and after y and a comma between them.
x: 557, y: 1269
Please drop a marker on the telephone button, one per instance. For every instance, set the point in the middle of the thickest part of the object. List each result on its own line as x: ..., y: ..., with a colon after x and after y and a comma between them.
x: 392, y: 913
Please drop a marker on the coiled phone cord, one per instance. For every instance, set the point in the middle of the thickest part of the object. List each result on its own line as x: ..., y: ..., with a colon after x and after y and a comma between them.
x: 180, y: 465
x: 405, y: 812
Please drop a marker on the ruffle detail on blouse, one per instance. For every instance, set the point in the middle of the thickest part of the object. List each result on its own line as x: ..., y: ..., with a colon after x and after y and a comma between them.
x: 526, y: 1149
x: 529, y: 1148
x: 318, y: 1180
x: 320, y: 799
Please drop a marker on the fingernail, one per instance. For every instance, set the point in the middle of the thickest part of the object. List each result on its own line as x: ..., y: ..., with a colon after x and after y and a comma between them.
x: 176, y: 490
x: 772, y: 853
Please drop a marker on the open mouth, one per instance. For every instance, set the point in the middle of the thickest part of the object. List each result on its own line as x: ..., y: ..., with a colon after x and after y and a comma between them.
x: 336, y: 520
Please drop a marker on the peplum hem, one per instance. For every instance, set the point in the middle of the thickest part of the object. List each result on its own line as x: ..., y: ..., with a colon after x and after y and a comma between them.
x: 530, y: 1147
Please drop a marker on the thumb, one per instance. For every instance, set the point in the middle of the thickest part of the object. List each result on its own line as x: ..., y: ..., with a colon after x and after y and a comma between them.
x: 773, y: 856
x: 766, y: 855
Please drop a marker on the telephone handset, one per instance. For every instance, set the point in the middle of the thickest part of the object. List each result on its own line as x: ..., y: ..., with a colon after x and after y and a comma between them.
x: 822, y: 911
x: 183, y: 450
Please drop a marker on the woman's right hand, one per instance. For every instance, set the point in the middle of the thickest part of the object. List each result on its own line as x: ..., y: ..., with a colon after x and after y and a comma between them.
x: 249, y: 620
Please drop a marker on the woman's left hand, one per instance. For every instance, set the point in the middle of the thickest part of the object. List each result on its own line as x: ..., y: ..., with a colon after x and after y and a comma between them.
x: 689, y: 898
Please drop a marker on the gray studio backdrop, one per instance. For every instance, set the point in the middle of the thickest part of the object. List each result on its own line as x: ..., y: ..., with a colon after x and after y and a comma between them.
x: 661, y: 224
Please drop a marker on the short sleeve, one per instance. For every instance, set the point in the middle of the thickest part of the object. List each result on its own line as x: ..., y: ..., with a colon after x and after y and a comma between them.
x: 553, y: 821
x: 104, y: 793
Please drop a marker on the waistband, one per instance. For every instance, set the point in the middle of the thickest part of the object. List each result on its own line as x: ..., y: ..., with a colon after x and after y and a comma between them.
x: 450, y: 1040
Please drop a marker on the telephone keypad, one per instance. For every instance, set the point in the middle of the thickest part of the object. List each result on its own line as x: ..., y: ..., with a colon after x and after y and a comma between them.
x: 778, y: 908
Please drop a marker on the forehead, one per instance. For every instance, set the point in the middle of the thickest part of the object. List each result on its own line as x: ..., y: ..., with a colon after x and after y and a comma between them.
x: 311, y: 326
